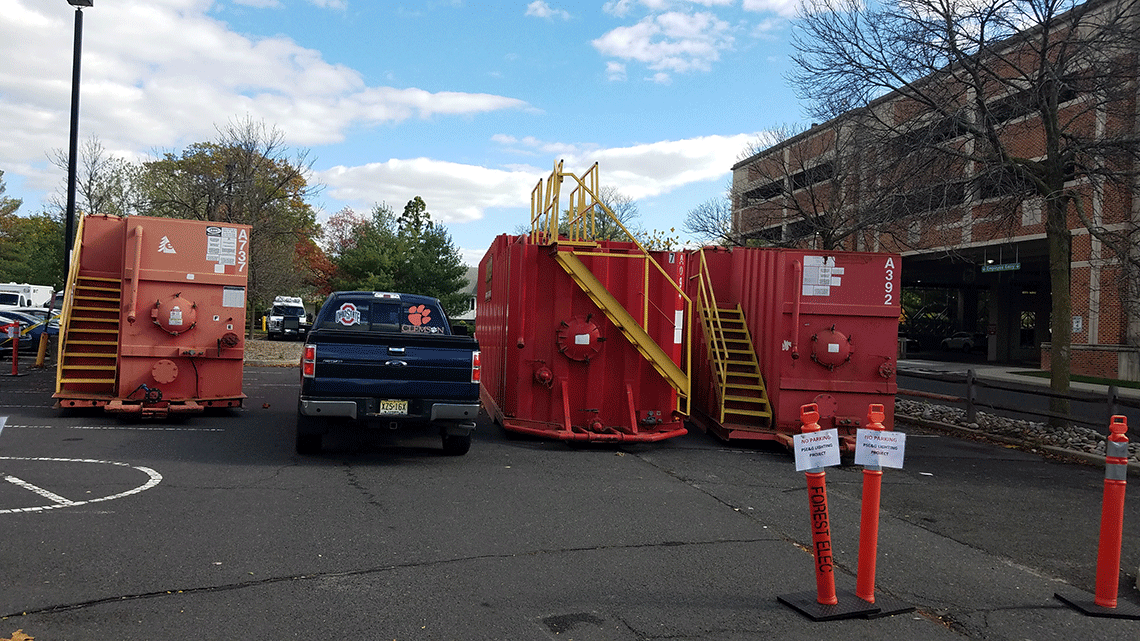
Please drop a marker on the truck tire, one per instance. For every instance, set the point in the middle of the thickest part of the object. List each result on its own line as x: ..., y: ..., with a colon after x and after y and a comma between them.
x: 309, y: 434
x: 456, y: 445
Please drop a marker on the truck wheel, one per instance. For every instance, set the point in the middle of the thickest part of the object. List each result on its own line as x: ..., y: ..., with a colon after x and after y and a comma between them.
x: 309, y: 433
x: 456, y: 445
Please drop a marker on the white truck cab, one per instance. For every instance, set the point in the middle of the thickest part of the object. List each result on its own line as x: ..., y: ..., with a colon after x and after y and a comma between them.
x: 287, y: 318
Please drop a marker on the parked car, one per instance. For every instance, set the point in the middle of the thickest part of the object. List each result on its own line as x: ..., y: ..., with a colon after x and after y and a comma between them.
x: 963, y: 341
x: 33, y: 323
x: 385, y: 360
x: 7, y: 318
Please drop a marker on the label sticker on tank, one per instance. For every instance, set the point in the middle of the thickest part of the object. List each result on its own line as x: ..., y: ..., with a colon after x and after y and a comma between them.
x: 233, y: 297
x: 581, y: 339
x: 347, y: 315
x: 221, y: 247
x: 819, y: 272
x: 176, y: 316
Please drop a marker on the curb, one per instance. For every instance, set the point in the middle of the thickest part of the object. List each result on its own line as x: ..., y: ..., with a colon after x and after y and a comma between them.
x: 1096, y: 460
x: 271, y: 364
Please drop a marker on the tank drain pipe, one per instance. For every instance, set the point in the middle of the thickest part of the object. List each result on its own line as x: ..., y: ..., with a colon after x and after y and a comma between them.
x: 131, y: 314
x: 798, y: 290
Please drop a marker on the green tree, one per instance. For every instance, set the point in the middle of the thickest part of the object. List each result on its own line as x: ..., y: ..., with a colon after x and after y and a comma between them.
x: 363, y: 250
x: 247, y: 177
x: 408, y: 253
x: 31, y: 249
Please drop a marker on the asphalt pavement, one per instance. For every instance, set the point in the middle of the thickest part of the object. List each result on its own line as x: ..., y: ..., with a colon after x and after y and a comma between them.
x: 212, y: 527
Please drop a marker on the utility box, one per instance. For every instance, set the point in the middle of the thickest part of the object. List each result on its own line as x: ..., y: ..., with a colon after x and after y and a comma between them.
x: 823, y: 328
x: 583, y: 341
x: 154, y: 316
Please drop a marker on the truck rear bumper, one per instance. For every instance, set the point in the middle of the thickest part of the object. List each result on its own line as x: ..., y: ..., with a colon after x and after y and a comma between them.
x: 329, y: 409
x: 454, y: 411
x: 351, y: 409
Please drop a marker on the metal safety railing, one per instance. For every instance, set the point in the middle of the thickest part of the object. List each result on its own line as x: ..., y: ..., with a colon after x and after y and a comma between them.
x: 65, y: 311
x: 970, y: 384
x: 578, y: 233
x: 707, y: 304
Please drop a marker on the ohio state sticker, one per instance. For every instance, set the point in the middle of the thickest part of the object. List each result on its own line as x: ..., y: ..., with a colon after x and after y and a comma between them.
x: 348, y: 315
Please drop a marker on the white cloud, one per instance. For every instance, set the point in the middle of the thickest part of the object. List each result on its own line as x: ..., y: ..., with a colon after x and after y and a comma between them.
x: 786, y: 8
x: 163, y: 73
x: 260, y: 4
x: 672, y: 41
x: 459, y: 193
x: 540, y: 9
x: 615, y: 71
x: 454, y: 192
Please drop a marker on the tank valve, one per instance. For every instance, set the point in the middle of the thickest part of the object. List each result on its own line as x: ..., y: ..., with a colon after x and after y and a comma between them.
x: 544, y: 376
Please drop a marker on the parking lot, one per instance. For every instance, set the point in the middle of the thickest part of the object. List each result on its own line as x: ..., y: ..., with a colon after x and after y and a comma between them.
x: 212, y: 527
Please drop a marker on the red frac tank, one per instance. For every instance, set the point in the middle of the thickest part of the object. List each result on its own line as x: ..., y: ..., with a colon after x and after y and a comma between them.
x: 824, y: 328
x: 154, y: 316
x: 583, y: 342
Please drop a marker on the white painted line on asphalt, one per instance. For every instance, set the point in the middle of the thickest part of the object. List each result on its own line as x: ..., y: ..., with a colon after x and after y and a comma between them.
x: 154, y: 479
x: 51, y: 496
x: 126, y: 428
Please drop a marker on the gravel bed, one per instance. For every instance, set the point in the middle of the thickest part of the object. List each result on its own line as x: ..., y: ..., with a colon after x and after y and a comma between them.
x: 260, y: 350
x: 1072, y: 437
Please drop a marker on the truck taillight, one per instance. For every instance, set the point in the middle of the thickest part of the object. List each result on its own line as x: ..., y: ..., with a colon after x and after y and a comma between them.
x: 475, y: 369
x: 309, y: 361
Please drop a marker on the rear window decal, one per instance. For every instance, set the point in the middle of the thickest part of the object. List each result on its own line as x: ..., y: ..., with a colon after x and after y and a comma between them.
x: 419, y: 315
x: 348, y: 315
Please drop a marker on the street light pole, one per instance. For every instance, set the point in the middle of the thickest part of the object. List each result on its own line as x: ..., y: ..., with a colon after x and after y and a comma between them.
x: 69, y: 222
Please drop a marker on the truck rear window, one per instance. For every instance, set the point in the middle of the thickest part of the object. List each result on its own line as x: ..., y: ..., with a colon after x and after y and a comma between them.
x: 376, y: 316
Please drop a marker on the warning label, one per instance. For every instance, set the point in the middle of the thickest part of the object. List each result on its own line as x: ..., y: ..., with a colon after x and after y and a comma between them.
x: 820, y: 275
x: 221, y: 247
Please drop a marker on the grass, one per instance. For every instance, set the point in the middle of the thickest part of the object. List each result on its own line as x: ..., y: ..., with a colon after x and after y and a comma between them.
x: 1078, y: 378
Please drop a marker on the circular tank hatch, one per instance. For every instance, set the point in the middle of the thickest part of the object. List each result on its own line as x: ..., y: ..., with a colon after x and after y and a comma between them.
x: 175, y: 315
x: 830, y: 348
x: 579, y: 339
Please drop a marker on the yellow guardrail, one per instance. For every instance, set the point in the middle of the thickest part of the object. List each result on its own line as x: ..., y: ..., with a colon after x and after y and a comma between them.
x: 706, y: 299
x: 579, y: 231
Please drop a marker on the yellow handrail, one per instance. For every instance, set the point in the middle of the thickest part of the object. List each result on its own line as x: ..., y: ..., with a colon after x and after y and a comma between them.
x: 581, y: 228
x: 65, y: 311
x: 707, y: 300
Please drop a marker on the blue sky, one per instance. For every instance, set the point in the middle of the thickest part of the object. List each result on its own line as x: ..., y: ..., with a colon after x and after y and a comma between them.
x: 466, y: 104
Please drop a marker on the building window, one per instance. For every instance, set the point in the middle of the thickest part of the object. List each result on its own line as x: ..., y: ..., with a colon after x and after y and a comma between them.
x: 764, y: 192
x: 931, y: 198
x: 813, y: 175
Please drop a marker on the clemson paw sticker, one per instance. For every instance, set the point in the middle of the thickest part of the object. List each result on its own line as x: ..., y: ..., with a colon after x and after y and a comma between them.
x: 419, y: 315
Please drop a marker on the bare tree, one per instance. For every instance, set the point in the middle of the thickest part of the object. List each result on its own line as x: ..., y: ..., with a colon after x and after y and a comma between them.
x: 710, y: 223
x: 825, y: 186
x: 104, y: 184
x: 1037, y: 97
x: 248, y: 176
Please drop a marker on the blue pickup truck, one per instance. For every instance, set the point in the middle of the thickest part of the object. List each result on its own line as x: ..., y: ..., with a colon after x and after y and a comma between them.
x: 387, y: 361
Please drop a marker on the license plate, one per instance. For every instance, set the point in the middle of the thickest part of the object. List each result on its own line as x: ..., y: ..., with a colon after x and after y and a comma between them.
x: 392, y: 407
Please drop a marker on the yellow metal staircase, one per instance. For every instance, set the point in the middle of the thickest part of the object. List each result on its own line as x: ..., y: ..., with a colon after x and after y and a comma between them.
x: 88, y: 332
x: 624, y: 321
x: 576, y: 236
x: 742, y: 398
x: 90, y: 344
